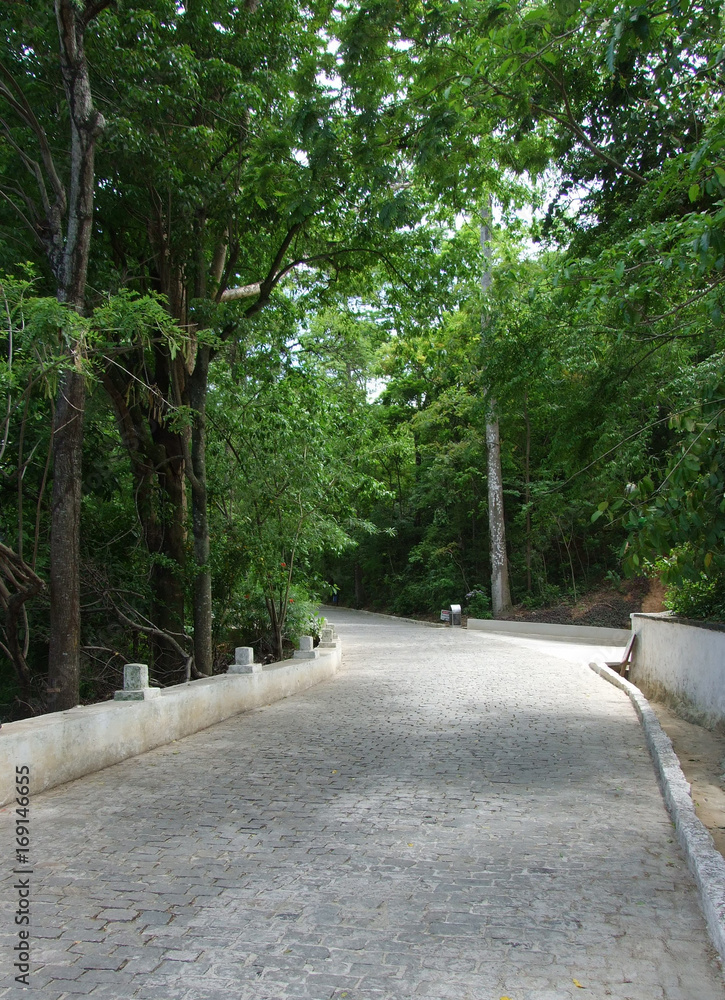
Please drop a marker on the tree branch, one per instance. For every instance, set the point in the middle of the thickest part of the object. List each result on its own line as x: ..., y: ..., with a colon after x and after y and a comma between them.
x: 247, y: 291
x: 22, y: 215
x: 94, y: 9
x: 243, y: 292
x: 23, y: 109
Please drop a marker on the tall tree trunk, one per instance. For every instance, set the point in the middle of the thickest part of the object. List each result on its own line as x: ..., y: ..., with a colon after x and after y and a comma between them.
x: 198, y: 386
x: 71, y: 266
x: 500, y: 592
x: 65, y: 606
x: 359, y: 587
x: 165, y: 536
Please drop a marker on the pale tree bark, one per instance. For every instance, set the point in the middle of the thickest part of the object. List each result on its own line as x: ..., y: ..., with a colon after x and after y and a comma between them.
x: 500, y: 590
x: 527, y: 491
x: 243, y: 292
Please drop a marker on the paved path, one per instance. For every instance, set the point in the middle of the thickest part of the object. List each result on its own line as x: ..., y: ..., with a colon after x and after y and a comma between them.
x: 451, y: 817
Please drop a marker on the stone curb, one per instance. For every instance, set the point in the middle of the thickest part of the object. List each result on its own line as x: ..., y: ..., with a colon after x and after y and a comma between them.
x: 706, y: 863
x: 379, y: 614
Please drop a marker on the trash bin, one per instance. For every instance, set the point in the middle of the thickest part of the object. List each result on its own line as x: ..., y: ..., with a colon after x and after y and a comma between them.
x: 455, y: 614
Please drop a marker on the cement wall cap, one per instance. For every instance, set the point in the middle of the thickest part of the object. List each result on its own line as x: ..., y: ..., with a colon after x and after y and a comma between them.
x: 670, y: 618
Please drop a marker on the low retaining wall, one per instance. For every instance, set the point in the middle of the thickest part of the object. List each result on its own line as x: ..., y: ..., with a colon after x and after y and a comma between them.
x: 540, y: 630
x: 681, y: 662
x: 63, y: 746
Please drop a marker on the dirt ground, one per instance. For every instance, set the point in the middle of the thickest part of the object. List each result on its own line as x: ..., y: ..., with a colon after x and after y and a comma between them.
x: 702, y: 757
x: 607, y: 606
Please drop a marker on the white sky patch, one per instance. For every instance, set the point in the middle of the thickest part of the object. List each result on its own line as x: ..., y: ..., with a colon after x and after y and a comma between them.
x: 375, y: 387
x: 330, y: 81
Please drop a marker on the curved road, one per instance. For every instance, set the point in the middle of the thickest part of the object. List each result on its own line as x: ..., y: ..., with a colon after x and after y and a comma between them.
x: 453, y: 816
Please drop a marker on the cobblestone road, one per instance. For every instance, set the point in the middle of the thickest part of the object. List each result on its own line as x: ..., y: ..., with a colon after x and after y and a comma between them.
x: 450, y: 817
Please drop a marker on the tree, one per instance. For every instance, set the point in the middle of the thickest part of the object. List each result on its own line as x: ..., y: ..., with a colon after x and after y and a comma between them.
x: 285, y: 479
x: 500, y: 590
x: 246, y: 171
x: 60, y: 216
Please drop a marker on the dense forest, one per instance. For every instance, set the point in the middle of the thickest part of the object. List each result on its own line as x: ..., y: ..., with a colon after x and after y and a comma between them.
x: 398, y: 303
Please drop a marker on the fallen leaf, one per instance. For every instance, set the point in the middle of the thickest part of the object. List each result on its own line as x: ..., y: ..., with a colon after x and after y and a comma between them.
x: 578, y: 984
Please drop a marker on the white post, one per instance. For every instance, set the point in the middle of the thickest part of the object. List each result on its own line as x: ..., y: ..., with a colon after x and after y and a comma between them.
x: 244, y: 661
x: 307, y: 649
x: 136, y: 684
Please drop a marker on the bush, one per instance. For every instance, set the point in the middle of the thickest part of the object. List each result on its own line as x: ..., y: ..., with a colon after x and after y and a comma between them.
x: 426, y: 596
x: 703, y: 599
x: 548, y: 594
x: 250, y: 624
x: 478, y: 604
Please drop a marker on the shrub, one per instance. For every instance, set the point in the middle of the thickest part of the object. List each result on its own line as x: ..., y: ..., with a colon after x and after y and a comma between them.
x: 702, y: 599
x: 478, y: 604
x: 426, y: 596
x: 250, y: 623
x: 548, y: 594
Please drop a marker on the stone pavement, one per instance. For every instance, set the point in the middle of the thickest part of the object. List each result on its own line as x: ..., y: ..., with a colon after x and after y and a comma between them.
x: 451, y: 817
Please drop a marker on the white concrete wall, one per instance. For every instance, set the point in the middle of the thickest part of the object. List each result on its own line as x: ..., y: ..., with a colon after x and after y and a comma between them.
x: 574, y: 633
x: 681, y: 661
x: 62, y: 746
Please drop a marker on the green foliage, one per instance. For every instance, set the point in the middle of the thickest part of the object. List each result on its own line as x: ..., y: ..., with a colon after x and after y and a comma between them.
x: 677, y: 518
x: 702, y: 599
x: 478, y: 604
x: 546, y: 594
x: 242, y: 146
x: 248, y: 622
x: 284, y: 467
x: 438, y: 588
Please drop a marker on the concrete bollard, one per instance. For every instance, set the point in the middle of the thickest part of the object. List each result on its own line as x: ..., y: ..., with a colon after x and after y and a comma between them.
x: 328, y: 640
x: 244, y: 661
x: 306, y: 650
x: 136, y: 684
